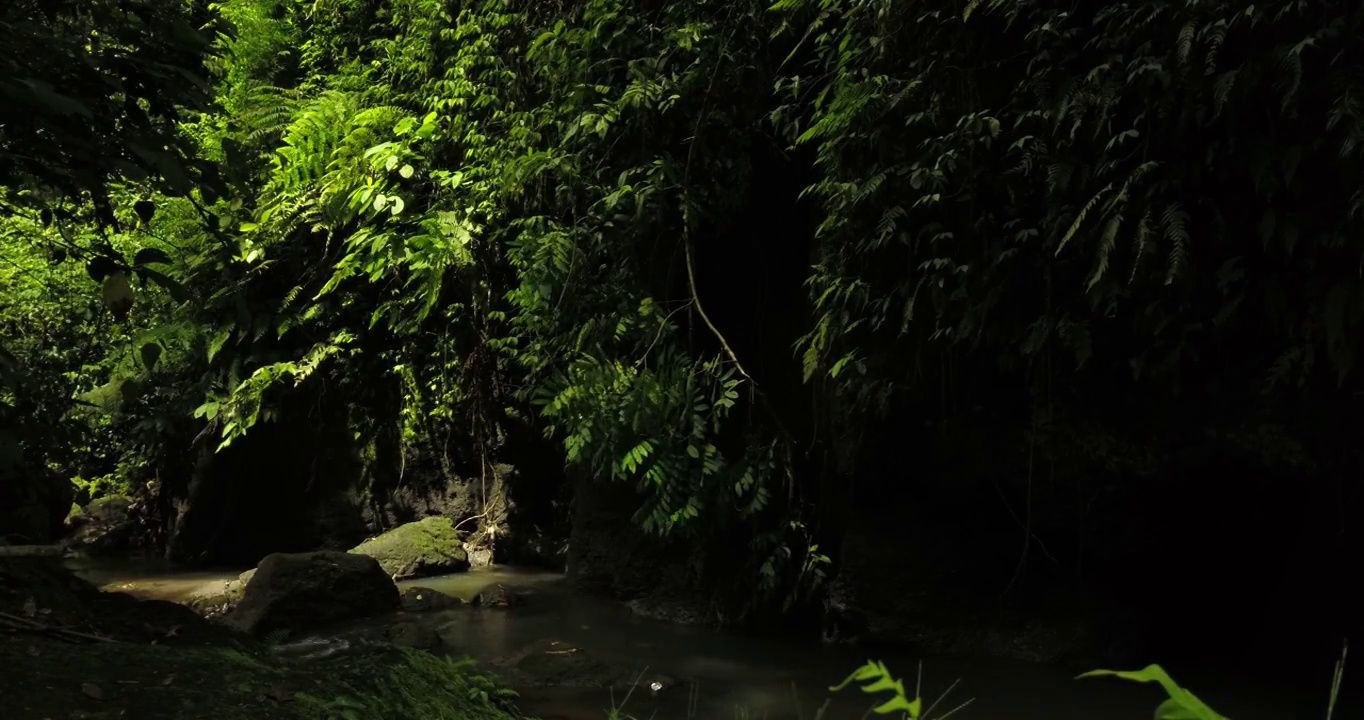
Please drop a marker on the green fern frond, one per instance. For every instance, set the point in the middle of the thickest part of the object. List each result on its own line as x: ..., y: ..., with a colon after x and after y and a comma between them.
x: 1174, y: 222
x: 1080, y: 217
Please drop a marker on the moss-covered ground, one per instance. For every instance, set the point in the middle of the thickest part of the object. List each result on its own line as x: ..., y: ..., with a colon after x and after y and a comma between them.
x: 54, y: 679
x: 161, y: 664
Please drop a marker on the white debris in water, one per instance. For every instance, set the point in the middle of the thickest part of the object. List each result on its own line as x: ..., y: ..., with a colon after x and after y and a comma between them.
x: 655, y: 686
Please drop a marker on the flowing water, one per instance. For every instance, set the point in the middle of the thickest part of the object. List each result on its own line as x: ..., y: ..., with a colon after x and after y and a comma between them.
x: 712, y: 676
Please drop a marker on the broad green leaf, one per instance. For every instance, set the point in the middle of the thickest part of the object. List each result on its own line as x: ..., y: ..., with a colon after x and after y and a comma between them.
x: 1182, y: 704
x: 900, y: 704
x: 838, y: 366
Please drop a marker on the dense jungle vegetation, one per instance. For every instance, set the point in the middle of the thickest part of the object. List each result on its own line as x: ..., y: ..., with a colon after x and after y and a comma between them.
x: 1070, y: 291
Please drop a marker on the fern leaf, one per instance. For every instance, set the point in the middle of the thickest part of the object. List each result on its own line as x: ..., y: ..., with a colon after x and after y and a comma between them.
x: 1175, y: 221
x: 1080, y: 218
x: 1106, y: 244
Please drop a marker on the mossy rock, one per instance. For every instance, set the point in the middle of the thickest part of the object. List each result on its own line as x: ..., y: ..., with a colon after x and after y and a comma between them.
x: 162, y: 662
x: 297, y: 591
x: 104, y: 526
x: 427, y: 547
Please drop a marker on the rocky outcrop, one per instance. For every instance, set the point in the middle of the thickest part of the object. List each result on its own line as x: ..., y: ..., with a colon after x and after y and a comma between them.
x: 608, y: 553
x: 291, y: 489
x: 431, y: 493
x: 427, y: 547
x: 508, y: 531
x: 310, y: 483
x: 33, y: 501
x: 532, y: 547
x: 903, y: 584
x: 308, y: 590
x: 106, y: 525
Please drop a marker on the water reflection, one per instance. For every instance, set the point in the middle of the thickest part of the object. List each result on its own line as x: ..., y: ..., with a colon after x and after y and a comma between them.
x: 783, y: 679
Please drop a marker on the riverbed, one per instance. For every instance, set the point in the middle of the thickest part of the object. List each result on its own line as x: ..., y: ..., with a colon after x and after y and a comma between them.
x: 562, y: 650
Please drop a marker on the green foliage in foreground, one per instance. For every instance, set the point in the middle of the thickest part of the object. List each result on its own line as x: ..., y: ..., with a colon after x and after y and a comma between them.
x: 874, y: 678
x: 156, y: 682
x: 1181, y: 704
x: 421, y: 685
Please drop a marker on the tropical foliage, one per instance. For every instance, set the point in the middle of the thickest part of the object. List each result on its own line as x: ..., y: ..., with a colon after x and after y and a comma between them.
x: 734, y: 255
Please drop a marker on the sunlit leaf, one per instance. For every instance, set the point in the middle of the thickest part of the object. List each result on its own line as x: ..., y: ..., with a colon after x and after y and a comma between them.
x: 1181, y: 705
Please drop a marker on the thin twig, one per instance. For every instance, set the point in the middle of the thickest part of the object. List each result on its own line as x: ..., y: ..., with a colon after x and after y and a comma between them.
x: 701, y: 311
x: 687, y: 246
x: 1336, y: 678
x: 26, y: 625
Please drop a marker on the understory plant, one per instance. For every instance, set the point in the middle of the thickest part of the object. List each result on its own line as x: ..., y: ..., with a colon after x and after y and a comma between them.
x: 874, y: 678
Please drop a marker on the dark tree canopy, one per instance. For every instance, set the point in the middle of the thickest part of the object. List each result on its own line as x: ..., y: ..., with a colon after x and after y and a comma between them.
x: 92, y: 91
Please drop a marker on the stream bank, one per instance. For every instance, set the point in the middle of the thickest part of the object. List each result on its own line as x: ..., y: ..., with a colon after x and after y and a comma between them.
x: 572, y: 656
x: 68, y: 650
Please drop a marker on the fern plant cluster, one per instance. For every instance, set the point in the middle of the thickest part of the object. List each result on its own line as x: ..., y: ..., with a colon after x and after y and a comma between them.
x: 460, y: 214
x: 1117, y: 189
x: 1122, y: 187
x: 498, y: 205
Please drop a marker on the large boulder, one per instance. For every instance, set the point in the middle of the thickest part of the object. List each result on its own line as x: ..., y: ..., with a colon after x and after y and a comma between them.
x: 610, y: 554
x: 308, y: 468
x: 532, y: 547
x: 106, y: 525
x: 297, y: 591
x: 33, y: 501
x: 430, y: 546
x: 901, y: 583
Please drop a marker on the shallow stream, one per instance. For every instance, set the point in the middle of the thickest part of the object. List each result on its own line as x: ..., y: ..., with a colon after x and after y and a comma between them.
x: 565, y: 647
